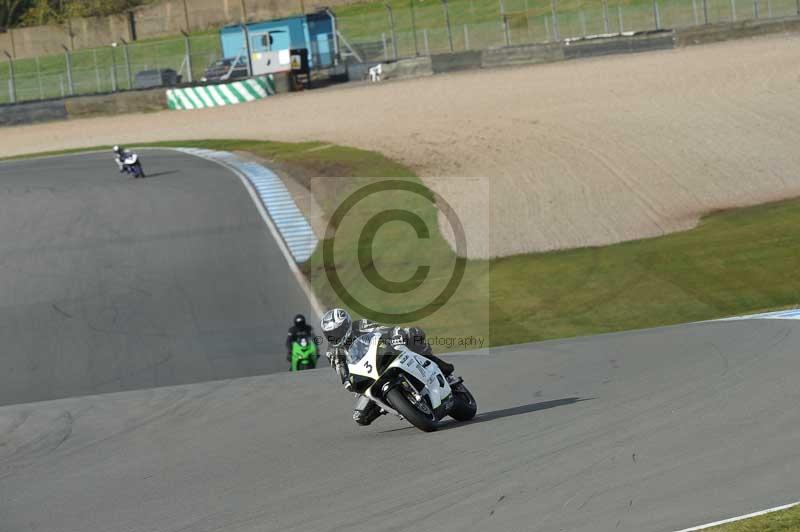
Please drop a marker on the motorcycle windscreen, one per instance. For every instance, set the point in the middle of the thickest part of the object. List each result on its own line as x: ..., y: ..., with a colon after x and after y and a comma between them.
x: 360, y: 347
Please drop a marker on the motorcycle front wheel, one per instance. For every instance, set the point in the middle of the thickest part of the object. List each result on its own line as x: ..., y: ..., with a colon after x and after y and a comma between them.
x: 412, y: 410
x: 465, y: 406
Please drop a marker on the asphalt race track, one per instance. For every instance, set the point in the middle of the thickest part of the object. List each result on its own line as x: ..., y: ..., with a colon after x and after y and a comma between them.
x: 110, y: 283
x: 655, y: 430
x: 113, y: 284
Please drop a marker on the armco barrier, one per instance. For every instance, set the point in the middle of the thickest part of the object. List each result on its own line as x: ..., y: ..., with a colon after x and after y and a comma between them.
x: 28, y: 113
x: 231, y: 93
x: 735, y: 30
x: 442, y: 63
x: 622, y: 44
x: 523, y: 54
x: 117, y: 103
x: 408, y: 68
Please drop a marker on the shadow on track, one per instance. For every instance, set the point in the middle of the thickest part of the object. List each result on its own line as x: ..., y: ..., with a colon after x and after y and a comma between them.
x: 157, y: 174
x: 506, y: 412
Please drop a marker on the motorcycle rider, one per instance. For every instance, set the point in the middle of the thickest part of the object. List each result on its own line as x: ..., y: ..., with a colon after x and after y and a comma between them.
x: 120, y: 154
x: 299, y: 328
x: 341, y: 331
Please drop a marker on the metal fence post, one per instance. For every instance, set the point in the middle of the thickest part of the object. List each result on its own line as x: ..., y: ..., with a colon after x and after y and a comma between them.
x: 528, y: 21
x: 605, y: 16
x: 96, y: 69
x: 694, y: 12
x: 547, y: 29
x: 414, y: 26
x: 769, y: 9
x: 61, y: 82
x: 391, y: 27
x: 733, y: 10
x: 127, y: 63
x: 113, y: 68
x: 705, y: 11
x: 185, y: 15
x: 755, y: 8
x: 656, y: 15
x: 188, y: 50
x: 504, y: 22
x: 12, y: 84
x: 425, y: 37
x: 619, y: 17
x: 466, y: 37
x: 582, y: 16
x: 554, y: 10
x: 39, y: 79
x: 68, y: 65
x: 247, y: 47
x: 798, y: 6
x: 385, y: 47
x: 447, y: 20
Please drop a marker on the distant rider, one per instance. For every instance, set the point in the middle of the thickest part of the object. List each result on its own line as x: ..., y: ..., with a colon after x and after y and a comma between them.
x: 120, y: 154
x: 298, y: 329
x: 340, y: 331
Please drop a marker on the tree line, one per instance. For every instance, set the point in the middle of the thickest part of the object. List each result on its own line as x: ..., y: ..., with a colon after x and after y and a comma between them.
x: 15, y: 13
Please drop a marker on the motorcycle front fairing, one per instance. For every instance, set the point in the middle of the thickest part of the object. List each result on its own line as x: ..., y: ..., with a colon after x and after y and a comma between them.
x: 434, y: 383
x: 427, y: 379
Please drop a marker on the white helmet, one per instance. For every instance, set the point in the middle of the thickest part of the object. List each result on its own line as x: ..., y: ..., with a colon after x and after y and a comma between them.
x: 115, y: 149
x: 337, y: 325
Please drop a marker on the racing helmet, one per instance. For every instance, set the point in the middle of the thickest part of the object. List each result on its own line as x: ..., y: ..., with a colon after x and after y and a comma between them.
x: 300, y: 321
x: 116, y: 149
x: 337, y: 326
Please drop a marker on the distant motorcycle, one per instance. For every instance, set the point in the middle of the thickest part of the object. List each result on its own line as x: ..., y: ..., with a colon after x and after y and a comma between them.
x: 133, y: 166
x: 304, y: 354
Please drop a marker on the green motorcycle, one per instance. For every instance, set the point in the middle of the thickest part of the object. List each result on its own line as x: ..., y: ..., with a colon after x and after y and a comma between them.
x: 304, y: 354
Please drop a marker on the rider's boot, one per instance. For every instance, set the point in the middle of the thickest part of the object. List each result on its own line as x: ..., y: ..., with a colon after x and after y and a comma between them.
x: 366, y: 411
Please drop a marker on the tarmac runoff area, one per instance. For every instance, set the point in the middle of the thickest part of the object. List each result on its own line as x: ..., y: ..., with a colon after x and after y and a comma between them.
x: 656, y: 430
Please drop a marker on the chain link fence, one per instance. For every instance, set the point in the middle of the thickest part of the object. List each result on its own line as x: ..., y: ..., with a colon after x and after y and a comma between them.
x: 107, y: 69
x: 405, y: 28
x: 372, y: 32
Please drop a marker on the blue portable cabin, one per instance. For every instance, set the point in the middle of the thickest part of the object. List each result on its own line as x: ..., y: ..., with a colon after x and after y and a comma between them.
x: 316, y: 32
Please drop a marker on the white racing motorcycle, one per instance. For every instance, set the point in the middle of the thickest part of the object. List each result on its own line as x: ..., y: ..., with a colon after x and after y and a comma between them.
x: 406, y: 383
x: 132, y: 165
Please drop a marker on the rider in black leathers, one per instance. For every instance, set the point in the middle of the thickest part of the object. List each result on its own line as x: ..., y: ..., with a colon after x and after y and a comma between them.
x: 341, y: 331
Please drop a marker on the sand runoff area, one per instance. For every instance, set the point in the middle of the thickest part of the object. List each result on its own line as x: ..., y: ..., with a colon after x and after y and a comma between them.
x: 578, y: 153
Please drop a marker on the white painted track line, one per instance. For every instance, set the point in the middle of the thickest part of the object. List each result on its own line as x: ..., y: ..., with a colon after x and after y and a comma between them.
x: 741, y: 517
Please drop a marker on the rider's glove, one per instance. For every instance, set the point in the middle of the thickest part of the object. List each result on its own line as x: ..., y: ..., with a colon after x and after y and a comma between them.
x: 344, y: 374
x: 331, y: 358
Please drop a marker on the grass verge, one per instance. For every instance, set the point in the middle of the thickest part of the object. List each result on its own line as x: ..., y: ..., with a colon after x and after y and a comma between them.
x: 734, y: 262
x: 783, y: 521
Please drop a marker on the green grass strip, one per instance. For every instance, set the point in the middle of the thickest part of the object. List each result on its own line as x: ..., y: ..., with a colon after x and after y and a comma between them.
x: 735, y: 262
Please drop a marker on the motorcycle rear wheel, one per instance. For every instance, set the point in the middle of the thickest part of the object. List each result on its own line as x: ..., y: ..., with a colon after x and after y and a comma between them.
x: 424, y: 422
